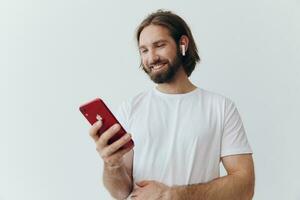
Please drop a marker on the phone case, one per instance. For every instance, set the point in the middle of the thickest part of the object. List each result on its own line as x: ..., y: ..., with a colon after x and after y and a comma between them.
x: 97, y: 107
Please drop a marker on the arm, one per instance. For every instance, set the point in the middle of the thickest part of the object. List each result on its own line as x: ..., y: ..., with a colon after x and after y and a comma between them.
x: 237, y: 185
x: 118, y: 180
x: 117, y: 173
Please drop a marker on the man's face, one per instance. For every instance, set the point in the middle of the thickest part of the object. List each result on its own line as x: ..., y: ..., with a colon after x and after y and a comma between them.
x: 160, y: 55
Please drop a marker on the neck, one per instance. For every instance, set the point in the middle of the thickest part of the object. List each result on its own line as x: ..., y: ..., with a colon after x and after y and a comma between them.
x: 179, y: 85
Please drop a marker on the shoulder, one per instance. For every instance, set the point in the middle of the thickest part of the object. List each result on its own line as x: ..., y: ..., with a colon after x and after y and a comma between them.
x: 134, y: 101
x: 214, y: 97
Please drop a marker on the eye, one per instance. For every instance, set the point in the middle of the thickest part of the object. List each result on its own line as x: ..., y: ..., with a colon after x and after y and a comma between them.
x: 160, y: 45
x: 144, y: 51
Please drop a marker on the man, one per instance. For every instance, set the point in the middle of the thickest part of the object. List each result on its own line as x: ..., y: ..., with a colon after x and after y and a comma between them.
x: 181, y: 132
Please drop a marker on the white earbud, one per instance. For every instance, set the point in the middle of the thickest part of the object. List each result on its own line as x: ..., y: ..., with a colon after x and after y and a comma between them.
x: 183, y: 49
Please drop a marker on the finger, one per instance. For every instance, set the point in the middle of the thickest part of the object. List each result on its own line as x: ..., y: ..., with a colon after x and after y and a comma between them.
x: 94, y: 130
x: 134, y: 193
x: 115, y: 156
x: 133, y: 197
x: 143, y: 183
x: 137, y: 193
x: 118, y: 144
x: 109, y: 133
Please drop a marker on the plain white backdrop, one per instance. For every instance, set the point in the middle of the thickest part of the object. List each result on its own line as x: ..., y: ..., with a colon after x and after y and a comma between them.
x: 56, y: 55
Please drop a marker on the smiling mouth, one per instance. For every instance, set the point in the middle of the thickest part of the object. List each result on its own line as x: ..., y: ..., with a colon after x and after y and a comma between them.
x: 157, y: 67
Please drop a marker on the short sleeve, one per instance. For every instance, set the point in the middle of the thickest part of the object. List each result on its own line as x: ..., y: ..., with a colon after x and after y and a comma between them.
x: 234, y: 139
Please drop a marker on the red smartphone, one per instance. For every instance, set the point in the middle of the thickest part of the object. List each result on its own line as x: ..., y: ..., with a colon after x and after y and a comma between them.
x: 97, y: 108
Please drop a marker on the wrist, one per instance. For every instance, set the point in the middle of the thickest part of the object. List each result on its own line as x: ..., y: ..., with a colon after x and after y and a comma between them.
x: 113, y: 166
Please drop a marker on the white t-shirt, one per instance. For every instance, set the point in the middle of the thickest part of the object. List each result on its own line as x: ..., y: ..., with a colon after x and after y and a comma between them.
x: 180, y: 138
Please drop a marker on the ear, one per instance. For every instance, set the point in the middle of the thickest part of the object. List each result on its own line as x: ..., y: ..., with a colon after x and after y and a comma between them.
x: 184, y: 44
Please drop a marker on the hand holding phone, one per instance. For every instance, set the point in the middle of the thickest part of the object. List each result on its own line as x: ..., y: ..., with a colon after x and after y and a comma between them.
x: 109, y: 135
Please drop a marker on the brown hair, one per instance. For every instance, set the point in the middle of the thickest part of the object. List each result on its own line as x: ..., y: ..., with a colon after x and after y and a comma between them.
x: 177, y: 27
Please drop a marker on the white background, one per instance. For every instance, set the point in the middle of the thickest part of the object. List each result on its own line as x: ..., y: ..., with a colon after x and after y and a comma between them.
x: 58, y: 54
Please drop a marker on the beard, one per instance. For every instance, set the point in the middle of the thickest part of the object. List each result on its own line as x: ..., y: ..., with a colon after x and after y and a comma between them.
x: 167, y: 75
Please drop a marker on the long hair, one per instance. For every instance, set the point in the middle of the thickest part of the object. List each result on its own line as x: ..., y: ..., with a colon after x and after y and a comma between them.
x: 177, y: 28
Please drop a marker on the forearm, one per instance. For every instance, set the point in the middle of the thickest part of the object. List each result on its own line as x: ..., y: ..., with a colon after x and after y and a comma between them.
x: 117, y: 181
x: 230, y: 187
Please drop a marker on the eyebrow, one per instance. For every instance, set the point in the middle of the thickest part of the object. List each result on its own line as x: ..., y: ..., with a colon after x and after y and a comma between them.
x: 154, y: 43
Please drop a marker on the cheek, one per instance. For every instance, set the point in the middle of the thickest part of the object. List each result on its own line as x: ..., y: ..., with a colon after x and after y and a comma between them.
x: 143, y: 61
x: 173, y: 53
x: 168, y: 54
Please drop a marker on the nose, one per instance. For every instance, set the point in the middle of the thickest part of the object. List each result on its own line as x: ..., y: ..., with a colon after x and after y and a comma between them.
x: 152, y: 57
